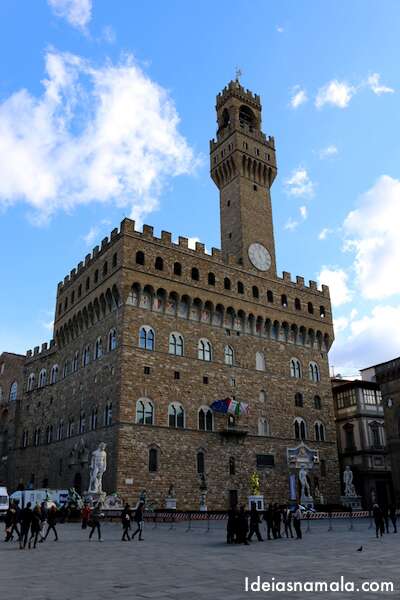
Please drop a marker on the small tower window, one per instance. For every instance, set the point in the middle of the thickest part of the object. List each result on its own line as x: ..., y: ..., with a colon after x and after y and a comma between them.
x: 211, y: 279
x: 240, y: 287
x: 227, y: 283
x: 310, y: 308
x: 246, y: 116
x: 177, y: 268
x: 159, y: 263
x: 284, y: 300
x: 255, y: 292
x: 139, y: 257
x: 195, y: 274
x: 270, y: 296
x: 297, y: 304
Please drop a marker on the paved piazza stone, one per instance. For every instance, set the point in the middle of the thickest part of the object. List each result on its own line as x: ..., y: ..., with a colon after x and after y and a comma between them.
x: 195, y: 565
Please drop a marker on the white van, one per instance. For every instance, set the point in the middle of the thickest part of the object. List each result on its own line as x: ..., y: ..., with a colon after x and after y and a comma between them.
x: 59, y: 497
x: 4, y: 501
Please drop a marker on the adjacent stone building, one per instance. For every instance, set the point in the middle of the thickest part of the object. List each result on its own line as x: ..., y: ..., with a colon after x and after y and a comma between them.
x: 149, y: 333
x: 361, y: 439
x: 387, y: 376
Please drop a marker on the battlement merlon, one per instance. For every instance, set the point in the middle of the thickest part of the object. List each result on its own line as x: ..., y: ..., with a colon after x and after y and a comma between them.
x: 238, y: 91
x: 42, y: 351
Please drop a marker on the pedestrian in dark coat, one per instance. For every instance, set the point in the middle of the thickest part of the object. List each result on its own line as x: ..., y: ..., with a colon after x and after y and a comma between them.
x: 126, y: 517
x: 36, y: 524
x: 379, y: 522
x: 138, y: 518
x: 26, y: 520
x: 52, y: 522
x: 254, y: 523
x: 269, y: 519
x: 393, y: 517
x: 231, y: 526
x: 11, y: 522
x: 94, y: 522
x: 287, y: 521
x: 277, y: 517
x: 385, y: 514
x: 242, y: 527
x: 297, y: 522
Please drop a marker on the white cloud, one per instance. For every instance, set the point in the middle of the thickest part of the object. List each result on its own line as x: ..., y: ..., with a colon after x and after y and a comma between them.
x: 328, y: 152
x: 299, y: 97
x: 96, y: 134
x: 291, y: 224
x: 323, y: 234
x: 299, y: 183
x: 337, y: 93
x: 373, y: 82
x: 372, y: 233
x: 192, y: 242
x: 94, y: 232
x: 108, y: 34
x: 280, y: 29
x: 337, y: 280
x: 372, y: 339
x: 340, y: 324
x: 77, y: 12
x: 303, y: 212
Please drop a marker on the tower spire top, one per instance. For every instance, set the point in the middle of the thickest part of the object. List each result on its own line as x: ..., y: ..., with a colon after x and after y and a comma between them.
x: 238, y: 74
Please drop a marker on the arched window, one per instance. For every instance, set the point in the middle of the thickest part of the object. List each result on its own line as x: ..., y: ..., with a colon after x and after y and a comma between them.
x: 295, y: 368
x: 176, y: 344
x: 260, y: 361
x: 71, y: 427
x: 298, y: 400
x: 270, y: 296
x: 205, y: 419
x: 159, y: 263
x: 300, y: 431
x: 350, y: 444
x: 256, y: 293
x: 105, y: 268
x: 310, y: 308
x: 322, y: 313
x: 200, y: 462
x: 13, y: 391
x: 195, y: 274
x: 114, y: 259
x: 246, y: 116
x: 31, y: 382
x: 240, y: 287
x: 319, y: 431
x: 87, y: 285
x: 232, y: 465
x: 297, y: 304
x: 25, y: 439
x: 229, y: 355
x: 139, y: 257
x: 144, y: 411
x: 176, y: 415
x: 262, y: 396
x: 112, y: 339
x: 98, y: 348
x: 375, y: 434
x: 263, y: 428
x: 153, y: 460
x: 227, y: 283
x: 108, y: 414
x: 42, y: 378
x: 317, y: 402
x: 284, y: 301
x: 146, y: 338
x: 82, y: 422
x: 86, y: 356
x: 93, y: 419
x: 76, y: 362
x: 37, y: 437
x: 313, y: 371
x: 49, y: 434
x: 211, y: 279
x: 66, y: 368
x: 96, y: 275
x: 204, y: 350
x: 60, y: 430
x: 177, y: 268
x: 54, y: 374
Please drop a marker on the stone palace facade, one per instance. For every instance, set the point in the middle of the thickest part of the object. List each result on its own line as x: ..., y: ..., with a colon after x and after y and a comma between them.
x: 149, y: 333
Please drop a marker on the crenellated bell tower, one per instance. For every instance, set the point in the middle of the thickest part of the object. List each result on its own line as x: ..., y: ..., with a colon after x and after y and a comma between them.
x: 243, y: 167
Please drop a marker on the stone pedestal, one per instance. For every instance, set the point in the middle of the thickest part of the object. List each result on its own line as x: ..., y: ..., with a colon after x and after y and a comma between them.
x: 351, y: 501
x: 93, y: 498
x: 258, y: 501
x: 307, y: 501
x: 170, y: 503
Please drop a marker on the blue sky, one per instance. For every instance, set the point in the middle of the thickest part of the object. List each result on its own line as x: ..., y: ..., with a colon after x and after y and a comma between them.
x: 106, y: 111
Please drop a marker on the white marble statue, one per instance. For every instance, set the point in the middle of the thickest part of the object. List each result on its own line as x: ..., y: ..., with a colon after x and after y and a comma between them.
x: 348, y: 482
x: 305, y: 487
x: 98, y: 466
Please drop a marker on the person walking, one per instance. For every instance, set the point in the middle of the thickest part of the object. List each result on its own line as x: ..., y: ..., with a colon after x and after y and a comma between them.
x: 393, y: 517
x: 85, y: 514
x: 297, y: 522
x: 231, y: 526
x: 378, y: 519
x: 11, y: 522
x: 242, y: 527
x: 126, y: 517
x: 287, y: 521
x: 138, y: 518
x: 26, y: 520
x: 94, y: 522
x: 36, y: 524
x: 269, y: 519
x: 385, y: 514
x: 254, y: 523
x: 52, y: 522
x: 277, y: 518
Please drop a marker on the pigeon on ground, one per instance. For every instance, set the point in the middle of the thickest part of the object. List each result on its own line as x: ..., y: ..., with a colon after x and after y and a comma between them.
x: 359, y: 549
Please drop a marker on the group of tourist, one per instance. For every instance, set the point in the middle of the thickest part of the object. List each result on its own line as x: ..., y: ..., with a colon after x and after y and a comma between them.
x: 242, y: 526
x: 381, y: 519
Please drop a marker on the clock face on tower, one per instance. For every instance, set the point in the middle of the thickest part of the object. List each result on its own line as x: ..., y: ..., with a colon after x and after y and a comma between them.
x: 259, y: 256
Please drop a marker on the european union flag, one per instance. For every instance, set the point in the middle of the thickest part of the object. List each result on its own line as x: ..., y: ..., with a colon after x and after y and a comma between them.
x: 220, y: 406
